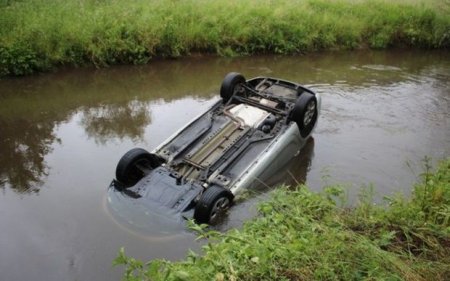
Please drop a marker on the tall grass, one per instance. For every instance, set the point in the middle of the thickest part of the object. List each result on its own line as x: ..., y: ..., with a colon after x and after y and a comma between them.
x: 301, y: 235
x: 37, y: 35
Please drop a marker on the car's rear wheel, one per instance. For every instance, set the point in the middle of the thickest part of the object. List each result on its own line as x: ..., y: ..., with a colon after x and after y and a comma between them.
x: 213, y: 203
x: 232, y: 84
x: 133, y: 164
x: 305, y: 113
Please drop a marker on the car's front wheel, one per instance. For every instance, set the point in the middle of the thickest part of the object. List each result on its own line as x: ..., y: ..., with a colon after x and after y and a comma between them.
x: 213, y: 203
x: 133, y: 164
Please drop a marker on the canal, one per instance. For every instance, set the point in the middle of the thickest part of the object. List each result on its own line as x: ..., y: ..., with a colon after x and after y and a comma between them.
x: 62, y: 134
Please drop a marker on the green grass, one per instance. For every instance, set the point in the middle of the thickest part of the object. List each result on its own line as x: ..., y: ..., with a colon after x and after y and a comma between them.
x: 301, y: 235
x: 37, y: 35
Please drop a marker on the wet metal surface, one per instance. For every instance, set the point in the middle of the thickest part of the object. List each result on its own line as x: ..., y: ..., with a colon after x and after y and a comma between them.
x: 62, y: 134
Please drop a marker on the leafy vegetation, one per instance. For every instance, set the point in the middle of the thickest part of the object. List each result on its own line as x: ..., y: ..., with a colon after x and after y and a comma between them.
x: 301, y: 235
x: 37, y: 35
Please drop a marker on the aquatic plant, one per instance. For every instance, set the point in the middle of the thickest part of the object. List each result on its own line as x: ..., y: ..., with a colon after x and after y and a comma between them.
x: 37, y: 35
x: 302, y: 235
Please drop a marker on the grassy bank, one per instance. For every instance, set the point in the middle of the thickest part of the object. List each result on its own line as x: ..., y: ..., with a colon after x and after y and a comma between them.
x: 37, y: 35
x: 301, y: 235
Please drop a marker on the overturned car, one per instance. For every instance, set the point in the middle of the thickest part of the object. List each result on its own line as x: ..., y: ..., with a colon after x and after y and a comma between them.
x: 257, y: 125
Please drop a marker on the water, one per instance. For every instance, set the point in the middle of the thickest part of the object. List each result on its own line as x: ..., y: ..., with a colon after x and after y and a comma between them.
x: 62, y: 134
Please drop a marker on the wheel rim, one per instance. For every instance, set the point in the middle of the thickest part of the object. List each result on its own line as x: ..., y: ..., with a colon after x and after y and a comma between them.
x: 219, y: 207
x: 309, y: 114
x: 239, y: 89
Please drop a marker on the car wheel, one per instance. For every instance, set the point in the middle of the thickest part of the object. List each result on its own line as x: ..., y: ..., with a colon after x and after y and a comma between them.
x: 213, y: 203
x: 305, y: 113
x: 232, y: 84
x: 132, y: 165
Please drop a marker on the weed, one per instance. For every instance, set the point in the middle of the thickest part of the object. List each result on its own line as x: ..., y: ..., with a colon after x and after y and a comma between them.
x: 301, y: 235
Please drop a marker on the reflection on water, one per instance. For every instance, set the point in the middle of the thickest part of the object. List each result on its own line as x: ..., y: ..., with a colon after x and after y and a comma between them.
x: 26, y: 141
x: 62, y: 134
x: 23, y: 145
x: 116, y: 121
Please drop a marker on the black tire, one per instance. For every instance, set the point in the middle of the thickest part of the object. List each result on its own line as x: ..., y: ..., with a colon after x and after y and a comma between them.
x: 129, y: 170
x: 214, y: 201
x: 305, y: 113
x: 229, y: 85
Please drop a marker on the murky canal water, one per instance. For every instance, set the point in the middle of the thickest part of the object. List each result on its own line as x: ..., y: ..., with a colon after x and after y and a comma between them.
x: 62, y: 134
